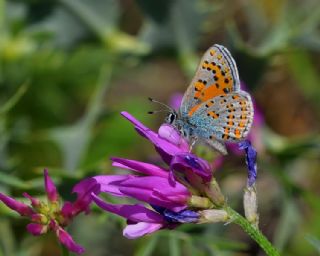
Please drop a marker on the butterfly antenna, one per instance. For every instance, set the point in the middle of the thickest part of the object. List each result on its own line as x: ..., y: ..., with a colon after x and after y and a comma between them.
x: 162, y: 104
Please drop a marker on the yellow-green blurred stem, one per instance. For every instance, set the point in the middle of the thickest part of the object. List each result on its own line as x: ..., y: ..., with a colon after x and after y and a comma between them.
x: 253, y: 232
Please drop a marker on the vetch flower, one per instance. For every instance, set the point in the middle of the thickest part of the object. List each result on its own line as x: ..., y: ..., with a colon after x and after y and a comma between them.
x: 154, y: 189
x: 174, y: 150
x: 168, y: 196
x: 46, y: 216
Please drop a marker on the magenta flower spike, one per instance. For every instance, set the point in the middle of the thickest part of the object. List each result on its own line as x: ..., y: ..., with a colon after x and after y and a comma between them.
x: 154, y: 188
x: 49, y: 216
x: 50, y: 188
x: 165, y: 194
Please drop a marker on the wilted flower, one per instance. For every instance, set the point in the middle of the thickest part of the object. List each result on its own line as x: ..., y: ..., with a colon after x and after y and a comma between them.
x: 250, y: 205
x: 46, y: 216
x: 251, y: 161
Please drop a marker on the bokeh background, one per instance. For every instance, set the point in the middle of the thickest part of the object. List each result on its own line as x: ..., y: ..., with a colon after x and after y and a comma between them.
x: 68, y: 67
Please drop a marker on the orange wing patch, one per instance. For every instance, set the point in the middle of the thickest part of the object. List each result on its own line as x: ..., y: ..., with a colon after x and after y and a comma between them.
x: 221, y: 86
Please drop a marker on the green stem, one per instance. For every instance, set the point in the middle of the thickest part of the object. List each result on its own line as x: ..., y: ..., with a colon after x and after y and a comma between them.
x: 253, y: 232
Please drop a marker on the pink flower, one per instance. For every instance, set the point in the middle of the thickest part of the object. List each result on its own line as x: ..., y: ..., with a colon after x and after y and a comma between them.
x: 153, y: 188
x: 164, y: 193
x: 46, y: 216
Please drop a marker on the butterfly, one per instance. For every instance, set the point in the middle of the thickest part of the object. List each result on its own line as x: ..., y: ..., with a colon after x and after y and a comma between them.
x: 214, y: 109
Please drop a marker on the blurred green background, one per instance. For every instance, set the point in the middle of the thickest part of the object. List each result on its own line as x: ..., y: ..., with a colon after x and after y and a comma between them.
x: 68, y: 67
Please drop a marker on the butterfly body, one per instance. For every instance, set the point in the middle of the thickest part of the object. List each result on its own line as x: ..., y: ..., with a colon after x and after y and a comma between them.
x: 214, y: 109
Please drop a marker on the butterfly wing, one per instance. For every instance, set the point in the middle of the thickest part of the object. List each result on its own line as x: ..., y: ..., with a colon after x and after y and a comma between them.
x: 216, y: 75
x: 224, y: 118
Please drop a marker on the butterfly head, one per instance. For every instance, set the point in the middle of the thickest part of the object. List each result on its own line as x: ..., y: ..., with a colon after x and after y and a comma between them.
x: 172, y: 117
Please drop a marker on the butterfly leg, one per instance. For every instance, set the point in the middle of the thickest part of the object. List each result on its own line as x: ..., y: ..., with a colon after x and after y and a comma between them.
x: 193, y: 141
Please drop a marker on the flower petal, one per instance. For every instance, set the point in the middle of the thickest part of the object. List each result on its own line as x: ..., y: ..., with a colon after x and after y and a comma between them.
x: 21, y: 208
x: 169, y: 133
x: 187, y: 161
x: 184, y: 216
x: 134, y: 213
x: 154, y: 198
x: 251, y: 161
x: 83, y: 189
x: 37, y: 229
x: 133, y: 231
x: 145, y: 168
x: 68, y: 210
x: 165, y: 148
x: 156, y: 183
x: 35, y: 202
x: 101, y: 183
x: 157, y: 191
x: 110, y: 183
x: 66, y: 239
x: 50, y: 187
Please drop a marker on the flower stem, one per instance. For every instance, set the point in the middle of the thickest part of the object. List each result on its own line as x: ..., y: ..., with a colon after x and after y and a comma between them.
x: 253, y: 232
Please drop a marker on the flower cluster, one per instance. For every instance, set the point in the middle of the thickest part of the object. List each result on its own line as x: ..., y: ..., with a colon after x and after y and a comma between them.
x: 183, y: 192
x: 49, y: 215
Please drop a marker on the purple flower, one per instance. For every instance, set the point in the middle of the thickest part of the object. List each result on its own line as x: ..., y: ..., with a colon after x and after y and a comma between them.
x: 165, y: 196
x: 141, y: 220
x: 153, y: 189
x: 174, y: 150
x: 192, y: 167
x: 251, y: 161
x: 46, y: 216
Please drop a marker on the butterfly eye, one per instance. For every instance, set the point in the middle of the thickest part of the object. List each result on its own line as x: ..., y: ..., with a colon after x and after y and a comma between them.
x: 171, y: 117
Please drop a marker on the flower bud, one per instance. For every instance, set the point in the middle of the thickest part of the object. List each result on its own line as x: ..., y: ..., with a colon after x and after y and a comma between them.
x: 212, y: 216
x: 39, y: 218
x: 251, y: 205
x: 37, y: 229
x: 199, y: 202
x: 214, y: 193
